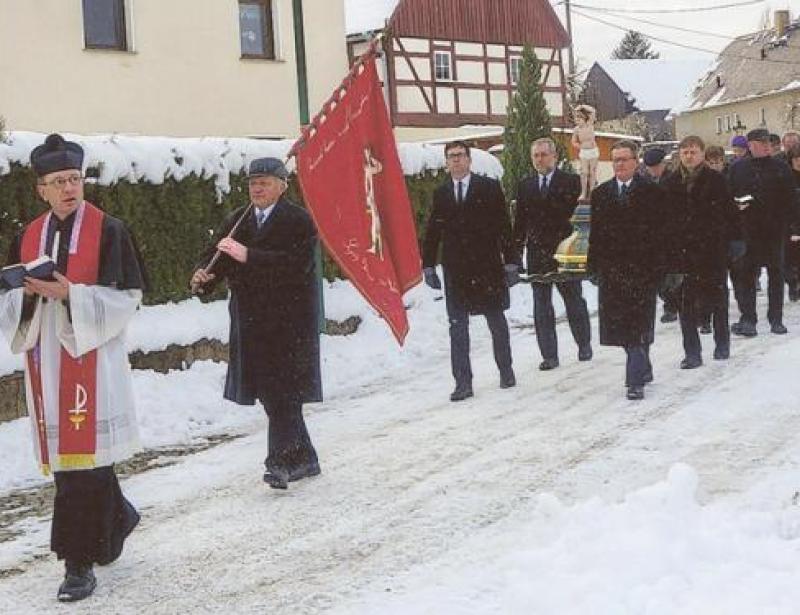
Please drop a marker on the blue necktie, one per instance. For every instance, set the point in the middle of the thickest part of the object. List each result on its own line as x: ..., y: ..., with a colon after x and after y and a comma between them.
x: 460, y: 196
x: 260, y: 218
x: 543, y: 187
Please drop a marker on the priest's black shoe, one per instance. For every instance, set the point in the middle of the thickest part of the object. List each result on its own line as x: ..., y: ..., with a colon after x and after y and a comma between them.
x: 669, y: 316
x: 705, y: 328
x: 304, y: 470
x: 548, y: 364
x: 691, y: 362
x: 79, y: 582
x: 721, y: 353
x: 635, y: 393
x: 778, y: 328
x: 508, y: 380
x: 462, y: 392
x: 744, y: 328
x: 277, y: 477
x: 585, y: 353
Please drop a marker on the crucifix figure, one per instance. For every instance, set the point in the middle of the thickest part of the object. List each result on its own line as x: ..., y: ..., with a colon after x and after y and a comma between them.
x: 373, y: 167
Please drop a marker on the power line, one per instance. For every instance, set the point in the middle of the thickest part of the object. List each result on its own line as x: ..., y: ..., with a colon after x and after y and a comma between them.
x: 663, y: 25
x: 697, y: 9
x: 685, y: 46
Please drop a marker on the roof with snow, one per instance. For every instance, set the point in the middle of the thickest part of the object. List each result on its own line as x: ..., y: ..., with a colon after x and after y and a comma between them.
x: 753, y: 65
x: 367, y: 15
x: 655, y: 84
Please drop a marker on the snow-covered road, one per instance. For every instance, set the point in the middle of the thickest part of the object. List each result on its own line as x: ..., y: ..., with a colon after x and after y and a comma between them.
x: 423, y: 502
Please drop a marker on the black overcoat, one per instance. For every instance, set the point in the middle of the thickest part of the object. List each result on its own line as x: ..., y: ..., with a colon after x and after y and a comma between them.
x: 274, y: 308
x: 767, y: 220
x: 705, y: 221
x: 627, y: 252
x: 542, y: 221
x: 475, y: 237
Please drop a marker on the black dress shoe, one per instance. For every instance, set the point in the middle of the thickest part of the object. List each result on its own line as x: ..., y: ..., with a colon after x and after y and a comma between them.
x: 508, y: 380
x: 705, y: 328
x: 744, y: 328
x: 669, y: 317
x: 585, y: 353
x: 548, y: 364
x: 304, y: 470
x: 778, y: 329
x: 721, y: 353
x: 462, y: 392
x: 79, y: 582
x: 277, y: 478
x: 635, y: 393
x: 691, y: 363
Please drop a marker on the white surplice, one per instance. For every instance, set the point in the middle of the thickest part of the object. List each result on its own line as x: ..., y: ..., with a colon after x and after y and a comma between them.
x: 97, y: 320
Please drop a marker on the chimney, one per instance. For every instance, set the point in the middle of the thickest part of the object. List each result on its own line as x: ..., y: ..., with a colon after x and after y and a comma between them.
x: 781, y: 22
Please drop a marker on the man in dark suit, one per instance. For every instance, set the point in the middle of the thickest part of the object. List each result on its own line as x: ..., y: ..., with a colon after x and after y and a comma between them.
x: 470, y: 220
x: 546, y: 202
x: 627, y: 259
x: 707, y: 233
x: 274, y: 339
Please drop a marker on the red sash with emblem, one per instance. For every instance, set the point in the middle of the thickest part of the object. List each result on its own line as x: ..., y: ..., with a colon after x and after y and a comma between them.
x: 77, y: 391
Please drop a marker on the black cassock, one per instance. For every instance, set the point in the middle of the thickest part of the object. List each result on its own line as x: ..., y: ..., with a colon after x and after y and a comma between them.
x: 91, y: 517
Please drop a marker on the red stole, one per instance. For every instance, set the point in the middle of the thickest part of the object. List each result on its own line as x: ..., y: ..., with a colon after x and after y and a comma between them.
x: 77, y: 391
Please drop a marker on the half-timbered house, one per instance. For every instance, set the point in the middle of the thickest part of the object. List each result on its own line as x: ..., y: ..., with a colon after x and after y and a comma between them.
x: 451, y: 63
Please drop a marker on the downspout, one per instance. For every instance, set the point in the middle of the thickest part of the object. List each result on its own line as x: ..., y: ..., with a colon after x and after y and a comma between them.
x: 305, y: 119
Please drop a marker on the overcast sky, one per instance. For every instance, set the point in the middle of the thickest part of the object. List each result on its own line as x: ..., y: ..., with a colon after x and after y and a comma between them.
x: 594, y: 40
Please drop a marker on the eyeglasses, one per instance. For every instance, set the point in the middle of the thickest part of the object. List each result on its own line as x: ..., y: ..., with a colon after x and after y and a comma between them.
x: 61, y: 182
x: 620, y: 160
x: 456, y: 156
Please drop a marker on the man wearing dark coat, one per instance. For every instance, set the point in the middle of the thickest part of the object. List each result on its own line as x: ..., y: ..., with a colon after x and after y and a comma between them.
x: 627, y: 259
x: 546, y: 202
x: 707, y: 232
x: 470, y: 220
x: 764, y: 188
x: 269, y: 265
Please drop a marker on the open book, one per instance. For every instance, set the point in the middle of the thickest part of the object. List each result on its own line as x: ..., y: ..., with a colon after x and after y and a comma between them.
x: 14, y: 276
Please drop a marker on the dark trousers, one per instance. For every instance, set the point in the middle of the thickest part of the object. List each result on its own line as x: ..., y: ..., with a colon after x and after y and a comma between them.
x: 545, y: 319
x: 638, y: 369
x: 744, y: 274
x: 459, y: 338
x: 701, y: 297
x: 670, y: 299
x: 289, y: 441
x: 91, y: 517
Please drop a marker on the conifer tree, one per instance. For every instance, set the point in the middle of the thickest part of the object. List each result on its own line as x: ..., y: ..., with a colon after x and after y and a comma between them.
x: 528, y: 119
x: 634, y: 46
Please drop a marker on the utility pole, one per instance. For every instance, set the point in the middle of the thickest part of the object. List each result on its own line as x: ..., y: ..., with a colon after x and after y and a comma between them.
x: 570, y: 51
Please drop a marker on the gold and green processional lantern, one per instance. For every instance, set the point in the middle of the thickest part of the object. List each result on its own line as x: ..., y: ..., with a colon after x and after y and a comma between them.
x: 572, y: 252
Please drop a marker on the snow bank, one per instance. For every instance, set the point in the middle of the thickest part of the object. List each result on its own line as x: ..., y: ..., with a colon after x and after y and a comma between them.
x: 657, y: 552
x: 154, y: 159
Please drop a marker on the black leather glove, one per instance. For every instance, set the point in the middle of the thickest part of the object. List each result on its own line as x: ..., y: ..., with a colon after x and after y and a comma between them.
x: 737, y: 249
x: 512, y: 274
x: 432, y: 278
x: 672, y: 281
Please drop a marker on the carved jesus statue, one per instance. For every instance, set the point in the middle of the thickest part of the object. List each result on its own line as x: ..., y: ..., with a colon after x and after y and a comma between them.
x: 583, y: 140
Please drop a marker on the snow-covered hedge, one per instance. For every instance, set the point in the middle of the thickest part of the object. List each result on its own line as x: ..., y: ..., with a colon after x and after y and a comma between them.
x: 172, y: 191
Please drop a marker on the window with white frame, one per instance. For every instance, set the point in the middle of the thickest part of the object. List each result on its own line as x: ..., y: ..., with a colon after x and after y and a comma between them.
x: 105, y: 24
x: 256, y: 31
x: 443, y: 65
x: 719, y: 125
x: 737, y: 121
x: 516, y: 67
x: 728, y: 124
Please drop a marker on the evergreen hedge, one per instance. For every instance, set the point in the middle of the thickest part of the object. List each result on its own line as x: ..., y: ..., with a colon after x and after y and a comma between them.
x: 171, y: 221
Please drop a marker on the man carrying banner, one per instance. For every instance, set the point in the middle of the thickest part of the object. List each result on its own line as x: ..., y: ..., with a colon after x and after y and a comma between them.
x: 77, y: 377
x: 274, y: 338
x: 470, y: 219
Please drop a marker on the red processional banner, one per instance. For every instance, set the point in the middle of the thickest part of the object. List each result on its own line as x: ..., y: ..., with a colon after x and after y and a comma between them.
x: 353, y: 185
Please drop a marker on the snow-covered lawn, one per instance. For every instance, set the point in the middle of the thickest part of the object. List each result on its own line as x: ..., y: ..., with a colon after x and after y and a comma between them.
x: 555, y: 497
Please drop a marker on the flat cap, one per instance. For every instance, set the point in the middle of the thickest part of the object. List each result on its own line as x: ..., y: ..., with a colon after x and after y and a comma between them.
x: 56, y: 154
x: 263, y: 167
x: 654, y: 156
x: 759, y: 134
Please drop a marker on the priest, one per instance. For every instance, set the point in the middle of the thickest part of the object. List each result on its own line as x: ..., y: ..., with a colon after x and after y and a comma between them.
x: 71, y: 329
